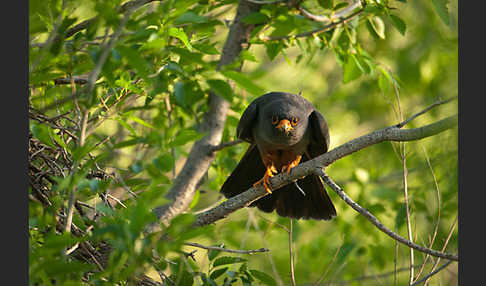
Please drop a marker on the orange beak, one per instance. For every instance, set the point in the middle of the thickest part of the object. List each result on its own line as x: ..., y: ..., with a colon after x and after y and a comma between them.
x: 284, y: 125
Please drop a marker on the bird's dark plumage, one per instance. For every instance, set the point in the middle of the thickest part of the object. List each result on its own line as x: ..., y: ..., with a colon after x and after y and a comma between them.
x: 283, y: 129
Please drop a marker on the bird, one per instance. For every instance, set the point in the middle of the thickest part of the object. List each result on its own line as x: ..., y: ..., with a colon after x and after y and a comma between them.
x: 283, y: 130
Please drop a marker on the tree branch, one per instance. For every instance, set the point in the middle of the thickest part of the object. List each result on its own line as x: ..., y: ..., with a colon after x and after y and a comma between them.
x: 340, y: 16
x: 202, y: 153
x: 377, y: 223
x: 226, y: 249
x: 391, y: 133
x: 431, y: 273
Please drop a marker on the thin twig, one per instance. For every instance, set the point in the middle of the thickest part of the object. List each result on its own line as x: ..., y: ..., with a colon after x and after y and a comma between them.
x: 266, y: 2
x: 106, y: 50
x: 432, y: 273
x: 325, y: 28
x: 316, y: 18
x: 116, y: 199
x: 70, y: 250
x: 334, y: 15
x: 444, y: 247
x: 438, y: 213
x: 328, y: 266
x: 403, y: 157
x: 226, y: 144
x: 222, y: 249
x: 276, y: 275
x: 291, y: 257
x: 374, y: 276
x: 377, y: 223
x: 71, y: 80
x: 437, y: 103
x: 168, y: 107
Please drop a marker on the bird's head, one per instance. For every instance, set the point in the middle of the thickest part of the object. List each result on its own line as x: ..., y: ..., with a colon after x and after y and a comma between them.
x: 285, y: 124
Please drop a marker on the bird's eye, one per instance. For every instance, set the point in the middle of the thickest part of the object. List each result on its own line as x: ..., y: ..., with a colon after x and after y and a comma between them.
x: 294, y: 121
x: 274, y: 120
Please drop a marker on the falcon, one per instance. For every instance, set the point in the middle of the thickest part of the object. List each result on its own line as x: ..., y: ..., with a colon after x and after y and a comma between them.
x: 283, y: 129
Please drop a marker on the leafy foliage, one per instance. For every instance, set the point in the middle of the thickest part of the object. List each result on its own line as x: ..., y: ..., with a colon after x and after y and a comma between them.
x: 106, y: 156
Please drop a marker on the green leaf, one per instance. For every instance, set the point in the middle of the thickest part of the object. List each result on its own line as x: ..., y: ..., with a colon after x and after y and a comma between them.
x: 401, y: 216
x: 284, y: 25
x: 195, y: 199
x: 385, y: 80
x: 126, y: 125
x: 376, y: 208
x: 273, y: 48
x: 227, y: 260
x: 43, y: 77
x: 378, y: 26
x: 441, y: 9
x: 345, y: 251
x: 255, y: 18
x: 179, y: 34
x: 46, y: 135
x: 135, y: 60
x: 340, y: 6
x: 212, y: 254
x: 263, y: 277
x: 185, y: 279
x: 221, y: 88
x: 326, y: 4
x: 383, y: 83
x: 244, y: 82
x: 165, y: 162
x: 140, y: 121
x: 190, y: 17
x: 373, y: 9
x: 185, y: 136
x: 207, y: 49
x: 187, y: 93
x: 351, y: 71
x: 218, y: 272
x: 362, y: 64
x: 127, y: 143
x: 248, y: 56
x: 398, y: 23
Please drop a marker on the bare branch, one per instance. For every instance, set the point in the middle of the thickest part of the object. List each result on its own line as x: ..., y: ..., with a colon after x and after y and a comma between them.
x: 437, y: 103
x: 391, y: 133
x: 443, y: 266
x: 443, y: 247
x: 436, y: 228
x: 377, y: 223
x: 340, y: 18
x: 266, y: 2
x: 291, y: 256
x: 70, y: 80
x: 254, y: 222
x: 226, y: 144
x: 329, y: 266
x: 317, y: 18
x: 222, y: 249
x: 374, y: 276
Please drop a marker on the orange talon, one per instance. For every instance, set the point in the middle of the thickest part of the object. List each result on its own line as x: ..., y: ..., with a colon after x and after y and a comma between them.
x: 291, y: 165
x: 265, y: 180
